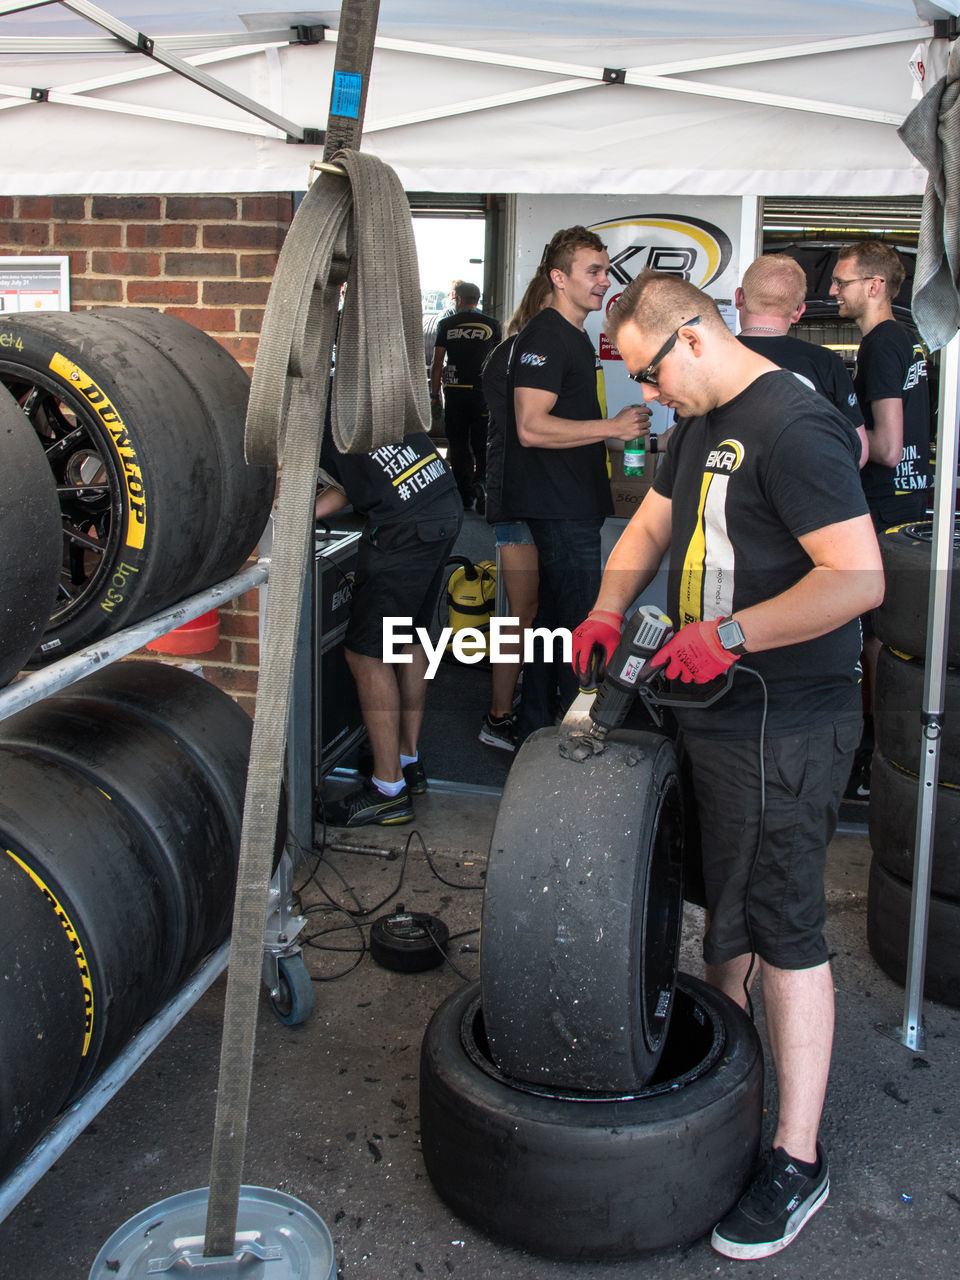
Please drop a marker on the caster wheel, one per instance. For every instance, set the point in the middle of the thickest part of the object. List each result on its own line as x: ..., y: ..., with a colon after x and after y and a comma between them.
x: 293, y: 1002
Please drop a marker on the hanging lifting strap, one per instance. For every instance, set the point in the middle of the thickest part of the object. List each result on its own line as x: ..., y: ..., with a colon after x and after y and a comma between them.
x: 353, y: 227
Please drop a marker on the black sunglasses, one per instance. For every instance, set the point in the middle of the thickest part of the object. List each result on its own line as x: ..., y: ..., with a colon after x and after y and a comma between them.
x: 646, y: 375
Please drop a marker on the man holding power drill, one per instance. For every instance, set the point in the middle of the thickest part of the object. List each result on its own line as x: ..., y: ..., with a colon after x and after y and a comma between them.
x: 773, y: 560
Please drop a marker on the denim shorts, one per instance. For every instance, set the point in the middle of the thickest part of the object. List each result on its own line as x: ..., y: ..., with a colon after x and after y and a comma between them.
x: 805, y: 774
x: 513, y: 533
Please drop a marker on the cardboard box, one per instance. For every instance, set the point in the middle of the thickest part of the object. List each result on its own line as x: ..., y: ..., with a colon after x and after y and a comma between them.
x: 629, y: 491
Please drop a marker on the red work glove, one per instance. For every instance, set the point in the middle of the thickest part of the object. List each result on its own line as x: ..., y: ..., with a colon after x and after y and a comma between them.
x: 593, y: 642
x: 695, y: 654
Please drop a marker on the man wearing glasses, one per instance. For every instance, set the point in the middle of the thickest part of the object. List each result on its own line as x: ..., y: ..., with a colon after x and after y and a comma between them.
x: 890, y: 381
x: 773, y: 557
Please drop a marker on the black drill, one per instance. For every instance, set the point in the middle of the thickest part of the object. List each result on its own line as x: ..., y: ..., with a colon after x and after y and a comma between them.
x: 645, y: 631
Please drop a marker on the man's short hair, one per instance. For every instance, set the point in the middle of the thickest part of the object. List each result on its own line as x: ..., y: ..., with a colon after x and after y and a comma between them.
x: 774, y: 285
x: 468, y: 293
x: 875, y: 258
x: 659, y: 302
x: 560, y: 252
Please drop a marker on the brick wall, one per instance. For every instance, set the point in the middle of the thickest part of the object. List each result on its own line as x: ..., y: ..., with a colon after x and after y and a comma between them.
x: 208, y: 259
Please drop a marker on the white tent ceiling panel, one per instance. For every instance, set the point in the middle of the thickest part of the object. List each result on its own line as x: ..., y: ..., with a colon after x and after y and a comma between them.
x: 460, y: 121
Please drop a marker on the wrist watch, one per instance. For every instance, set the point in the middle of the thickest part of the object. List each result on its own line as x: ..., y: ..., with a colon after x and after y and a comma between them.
x: 731, y: 636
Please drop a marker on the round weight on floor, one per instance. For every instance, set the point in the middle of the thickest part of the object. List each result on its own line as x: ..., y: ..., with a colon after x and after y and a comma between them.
x: 897, y: 715
x: 581, y: 912
x: 888, y: 932
x: 893, y: 827
x: 593, y: 1177
x: 901, y: 620
x: 408, y: 941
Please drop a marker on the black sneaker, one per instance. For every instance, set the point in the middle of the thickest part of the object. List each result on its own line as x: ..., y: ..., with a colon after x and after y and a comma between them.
x: 367, y: 806
x: 858, y: 785
x: 415, y: 776
x: 773, y: 1209
x: 500, y: 732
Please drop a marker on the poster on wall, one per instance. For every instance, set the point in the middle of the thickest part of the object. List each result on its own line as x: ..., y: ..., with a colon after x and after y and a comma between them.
x: 704, y: 240
x: 34, y: 283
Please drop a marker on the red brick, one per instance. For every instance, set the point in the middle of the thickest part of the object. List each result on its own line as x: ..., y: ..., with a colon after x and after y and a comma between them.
x: 242, y: 236
x: 200, y: 208
x: 258, y: 264
x: 242, y: 349
x: 69, y: 208
x: 26, y: 235
x: 155, y: 293
x: 125, y: 264
x: 207, y: 318
x: 124, y: 208
x: 79, y: 259
x: 251, y: 320
x: 86, y: 290
x: 249, y: 602
x: 234, y: 293
x: 240, y: 626
x: 35, y: 207
x: 6, y: 207
x: 161, y: 235
x: 201, y: 265
x: 86, y: 235
x: 272, y: 208
x: 247, y: 653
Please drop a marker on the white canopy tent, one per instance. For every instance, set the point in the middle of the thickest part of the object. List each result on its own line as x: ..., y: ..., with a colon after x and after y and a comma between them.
x: 722, y: 97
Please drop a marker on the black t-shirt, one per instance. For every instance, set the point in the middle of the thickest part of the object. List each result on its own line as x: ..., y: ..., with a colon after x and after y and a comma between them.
x: 494, y: 382
x: 891, y: 366
x: 820, y: 366
x: 468, y: 338
x: 551, y: 354
x: 746, y: 481
x: 394, y: 482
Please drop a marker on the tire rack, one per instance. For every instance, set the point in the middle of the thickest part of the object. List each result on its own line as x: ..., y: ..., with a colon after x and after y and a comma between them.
x: 282, y: 926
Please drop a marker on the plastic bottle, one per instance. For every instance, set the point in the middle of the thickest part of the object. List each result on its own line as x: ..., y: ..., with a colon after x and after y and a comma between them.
x: 634, y: 456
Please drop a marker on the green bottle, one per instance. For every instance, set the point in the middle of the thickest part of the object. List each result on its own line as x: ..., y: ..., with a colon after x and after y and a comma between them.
x: 634, y: 456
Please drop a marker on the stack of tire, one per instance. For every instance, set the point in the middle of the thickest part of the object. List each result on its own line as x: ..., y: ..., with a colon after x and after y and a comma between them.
x: 120, y: 810
x: 583, y: 1101
x: 141, y: 419
x: 901, y: 623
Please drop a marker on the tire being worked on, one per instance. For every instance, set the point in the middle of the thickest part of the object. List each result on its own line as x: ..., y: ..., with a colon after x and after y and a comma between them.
x: 897, y: 715
x: 893, y: 827
x: 594, y: 1177
x: 901, y: 621
x: 30, y: 537
x: 135, y: 463
x: 888, y: 932
x: 581, y: 913
x: 222, y: 390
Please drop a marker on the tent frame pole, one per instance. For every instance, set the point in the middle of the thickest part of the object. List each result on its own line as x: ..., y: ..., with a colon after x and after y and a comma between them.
x: 911, y: 1031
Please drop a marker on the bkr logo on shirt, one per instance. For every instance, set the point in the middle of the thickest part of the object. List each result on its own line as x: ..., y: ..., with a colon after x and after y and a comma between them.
x: 726, y: 457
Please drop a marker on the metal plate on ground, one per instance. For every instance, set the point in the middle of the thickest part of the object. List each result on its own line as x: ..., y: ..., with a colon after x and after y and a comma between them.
x: 278, y: 1238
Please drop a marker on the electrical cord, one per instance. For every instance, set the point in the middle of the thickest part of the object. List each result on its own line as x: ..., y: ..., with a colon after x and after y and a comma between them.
x: 756, y: 853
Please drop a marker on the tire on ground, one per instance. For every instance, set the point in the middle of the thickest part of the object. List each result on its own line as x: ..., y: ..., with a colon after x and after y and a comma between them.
x: 893, y: 823
x: 135, y: 463
x: 30, y: 537
x: 901, y: 621
x: 888, y: 931
x: 581, y: 912
x: 595, y: 1177
x: 222, y: 389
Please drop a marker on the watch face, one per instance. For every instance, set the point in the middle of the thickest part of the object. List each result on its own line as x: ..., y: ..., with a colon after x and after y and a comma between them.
x: 731, y: 637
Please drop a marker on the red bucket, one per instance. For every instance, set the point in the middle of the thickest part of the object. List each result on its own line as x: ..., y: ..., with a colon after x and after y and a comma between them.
x: 199, y: 636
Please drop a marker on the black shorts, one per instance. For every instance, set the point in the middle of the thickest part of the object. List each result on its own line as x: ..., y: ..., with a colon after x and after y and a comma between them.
x: 805, y: 774
x: 400, y: 572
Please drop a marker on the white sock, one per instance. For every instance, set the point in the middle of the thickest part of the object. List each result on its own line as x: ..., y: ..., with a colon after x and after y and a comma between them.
x: 388, y: 788
x: 405, y: 760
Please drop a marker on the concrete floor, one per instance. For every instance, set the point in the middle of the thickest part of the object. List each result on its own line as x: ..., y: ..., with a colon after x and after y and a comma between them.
x: 334, y: 1108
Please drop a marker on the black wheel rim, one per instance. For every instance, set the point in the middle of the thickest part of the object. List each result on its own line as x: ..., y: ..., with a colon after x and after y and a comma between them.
x: 89, y: 487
